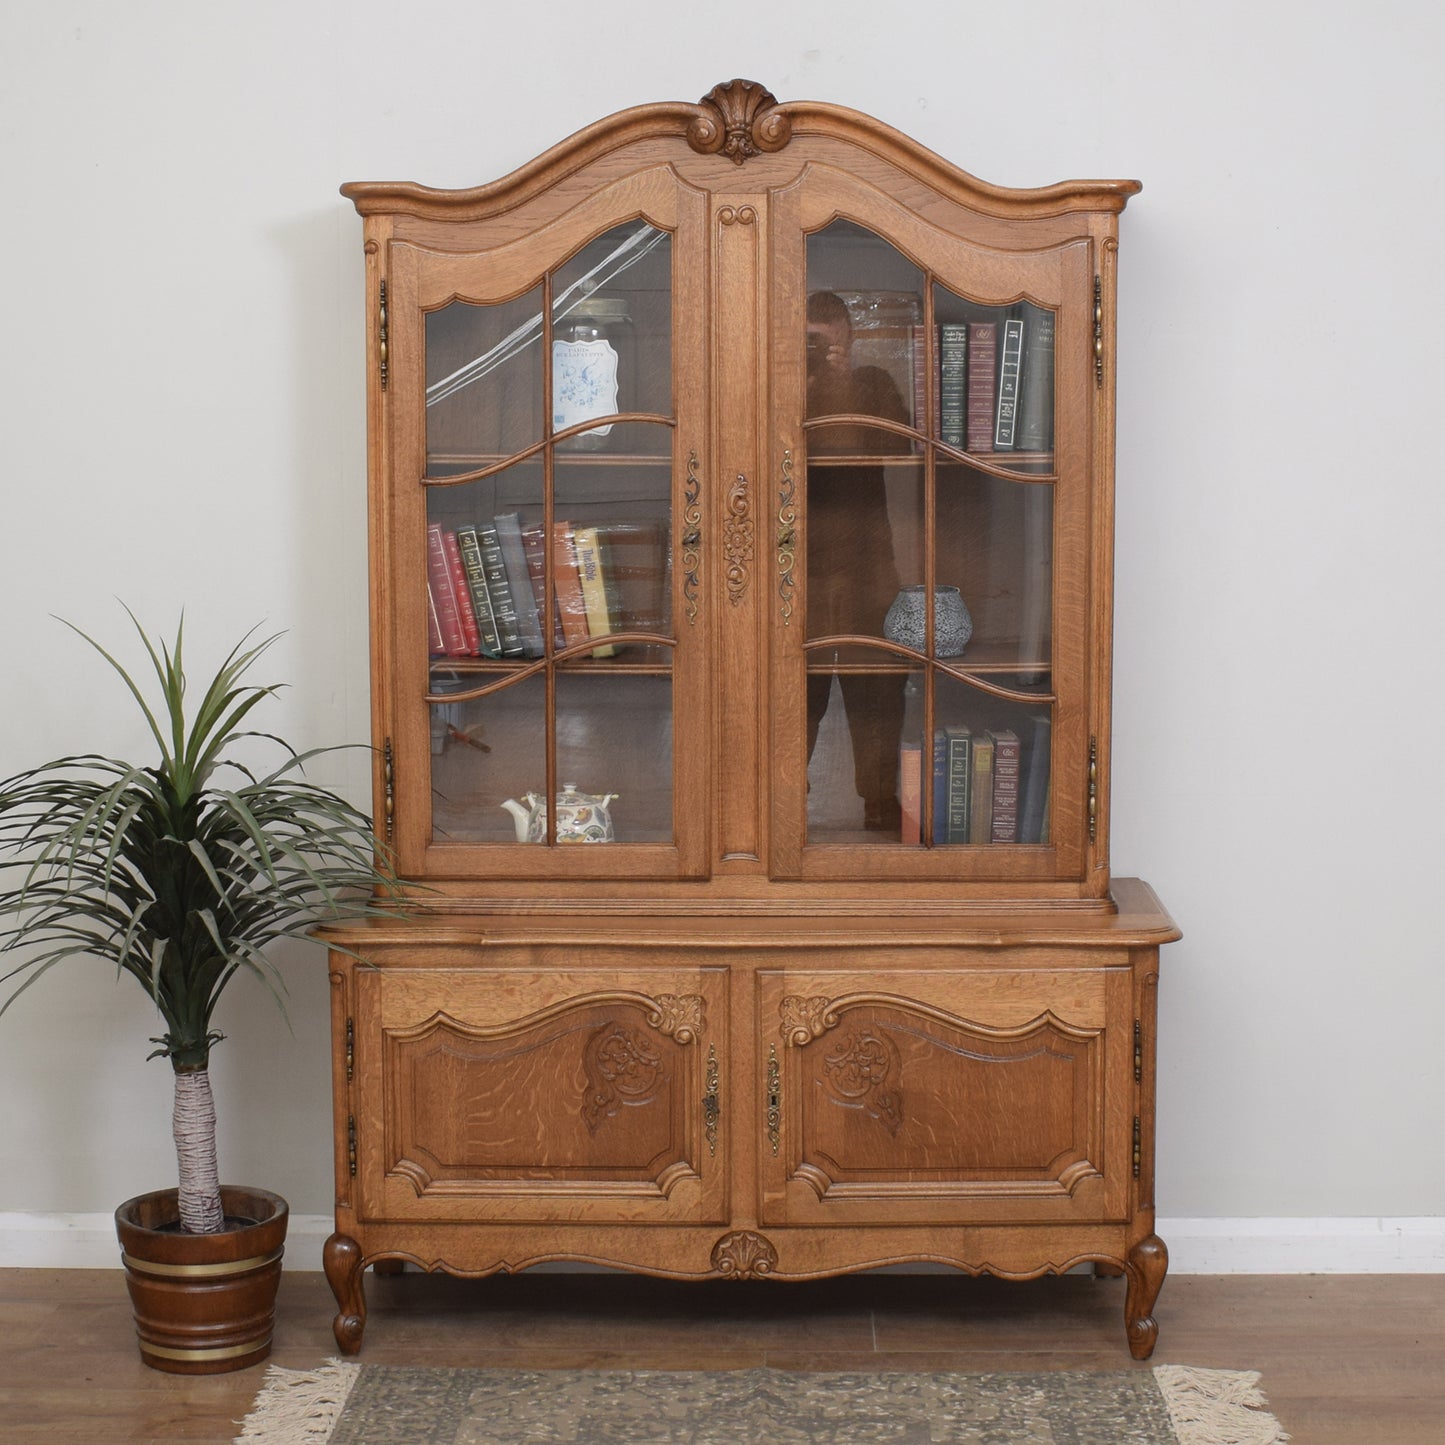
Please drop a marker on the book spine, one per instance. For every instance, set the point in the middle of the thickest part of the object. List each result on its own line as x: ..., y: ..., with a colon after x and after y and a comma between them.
x: 940, y: 786
x: 588, y: 549
x: 952, y: 383
x: 439, y: 576
x: 471, y: 635
x: 980, y: 813
x: 519, y: 579
x: 1008, y: 384
x: 1036, y: 403
x: 571, y: 608
x: 960, y: 779
x: 534, y: 549
x: 1005, y: 827
x: 470, y: 548
x: 982, y: 360
x: 499, y: 590
x: 910, y: 791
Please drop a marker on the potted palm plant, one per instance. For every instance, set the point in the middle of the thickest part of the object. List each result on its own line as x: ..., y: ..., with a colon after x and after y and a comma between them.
x: 179, y: 873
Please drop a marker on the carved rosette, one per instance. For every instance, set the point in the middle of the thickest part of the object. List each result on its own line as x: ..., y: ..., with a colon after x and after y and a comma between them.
x: 738, y: 120
x: 744, y: 1255
x: 859, y: 1071
x: 738, y: 539
x: 804, y: 1019
x: 622, y: 1068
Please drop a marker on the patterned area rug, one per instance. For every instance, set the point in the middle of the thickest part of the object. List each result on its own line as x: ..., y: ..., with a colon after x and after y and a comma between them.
x: 349, y: 1404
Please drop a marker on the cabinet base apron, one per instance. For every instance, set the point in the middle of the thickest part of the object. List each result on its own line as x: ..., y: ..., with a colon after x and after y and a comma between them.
x: 750, y: 1254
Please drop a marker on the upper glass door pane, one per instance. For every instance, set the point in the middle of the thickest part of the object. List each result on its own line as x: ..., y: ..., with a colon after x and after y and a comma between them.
x: 549, y: 482
x: 929, y: 545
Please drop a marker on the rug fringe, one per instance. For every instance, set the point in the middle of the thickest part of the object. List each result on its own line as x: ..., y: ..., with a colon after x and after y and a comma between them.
x: 299, y: 1407
x: 1217, y: 1407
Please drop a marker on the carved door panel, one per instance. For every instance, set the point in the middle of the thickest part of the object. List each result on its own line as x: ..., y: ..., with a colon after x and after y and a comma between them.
x: 947, y: 1094
x: 540, y: 1095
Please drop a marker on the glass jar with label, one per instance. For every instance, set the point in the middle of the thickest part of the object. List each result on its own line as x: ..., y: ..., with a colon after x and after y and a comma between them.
x: 592, y: 366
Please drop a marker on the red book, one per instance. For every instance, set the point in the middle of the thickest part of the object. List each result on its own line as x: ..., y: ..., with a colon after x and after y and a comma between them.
x: 466, y: 612
x: 443, y: 593
x: 982, y: 364
x: 910, y: 791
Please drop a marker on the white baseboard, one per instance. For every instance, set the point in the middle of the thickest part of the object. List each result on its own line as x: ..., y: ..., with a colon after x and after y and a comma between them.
x: 1411, y: 1245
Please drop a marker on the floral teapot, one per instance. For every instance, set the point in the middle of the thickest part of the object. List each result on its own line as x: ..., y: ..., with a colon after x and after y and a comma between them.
x: 581, y: 817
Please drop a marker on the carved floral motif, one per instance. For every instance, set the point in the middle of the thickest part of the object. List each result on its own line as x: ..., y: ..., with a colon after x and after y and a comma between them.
x: 622, y: 1068
x: 679, y: 1015
x: 859, y: 1071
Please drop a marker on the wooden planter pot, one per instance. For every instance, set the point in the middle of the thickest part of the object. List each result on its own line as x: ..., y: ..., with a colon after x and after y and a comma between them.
x: 204, y: 1303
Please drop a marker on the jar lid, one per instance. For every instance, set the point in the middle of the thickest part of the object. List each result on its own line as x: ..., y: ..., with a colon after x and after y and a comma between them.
x: 599, y: 308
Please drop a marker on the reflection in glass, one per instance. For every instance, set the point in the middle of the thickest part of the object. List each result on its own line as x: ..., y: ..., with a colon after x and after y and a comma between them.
x: 612, y: 334
x: 483, y: 752
x: 614, y: 736
x: 469, y: 424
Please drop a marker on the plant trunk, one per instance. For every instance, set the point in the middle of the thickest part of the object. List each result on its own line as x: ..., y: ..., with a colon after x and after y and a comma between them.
x: 194, y: 1125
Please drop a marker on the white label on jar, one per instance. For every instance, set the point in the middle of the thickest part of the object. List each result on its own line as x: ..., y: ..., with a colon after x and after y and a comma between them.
x: 584, y: 383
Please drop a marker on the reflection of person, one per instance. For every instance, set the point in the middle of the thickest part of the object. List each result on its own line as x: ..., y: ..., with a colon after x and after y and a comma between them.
x: 852, y: 578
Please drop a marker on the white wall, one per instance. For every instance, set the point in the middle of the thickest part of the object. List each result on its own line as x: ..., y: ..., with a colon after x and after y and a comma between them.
x: 181, y: 423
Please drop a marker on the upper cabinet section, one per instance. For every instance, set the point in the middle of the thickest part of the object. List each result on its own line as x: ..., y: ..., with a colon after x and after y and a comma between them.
x: 741, y: 512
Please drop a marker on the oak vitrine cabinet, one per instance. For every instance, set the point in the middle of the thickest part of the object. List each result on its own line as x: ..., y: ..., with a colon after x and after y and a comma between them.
x: 741, y: 519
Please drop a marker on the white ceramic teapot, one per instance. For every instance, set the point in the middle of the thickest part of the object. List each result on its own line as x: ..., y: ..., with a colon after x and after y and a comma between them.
x: 581, y: 817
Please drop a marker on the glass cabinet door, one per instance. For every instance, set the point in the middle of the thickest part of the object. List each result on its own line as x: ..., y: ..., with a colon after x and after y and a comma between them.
x: 927, y: 556
x: 551, y: 678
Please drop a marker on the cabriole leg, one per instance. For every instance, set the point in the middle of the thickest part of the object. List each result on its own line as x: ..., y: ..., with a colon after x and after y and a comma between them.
x: 341, y: 1259
x: 1148, y: 1263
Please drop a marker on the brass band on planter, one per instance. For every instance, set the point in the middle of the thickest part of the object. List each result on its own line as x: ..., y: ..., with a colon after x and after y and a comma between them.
x: 225, y: 1352
x: 200, y: 1271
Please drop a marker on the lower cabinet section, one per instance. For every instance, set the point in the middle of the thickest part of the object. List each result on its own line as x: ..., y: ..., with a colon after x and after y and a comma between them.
x: 788, y: 1104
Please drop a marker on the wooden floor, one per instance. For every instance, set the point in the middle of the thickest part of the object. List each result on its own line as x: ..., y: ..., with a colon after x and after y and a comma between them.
x: 1347, y: 1360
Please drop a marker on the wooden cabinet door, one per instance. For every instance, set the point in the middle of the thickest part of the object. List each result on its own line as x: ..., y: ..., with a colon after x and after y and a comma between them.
x: 543, y: 420
x: 539, y: 1094
x: 948, y: 1091
x: 933, y: 606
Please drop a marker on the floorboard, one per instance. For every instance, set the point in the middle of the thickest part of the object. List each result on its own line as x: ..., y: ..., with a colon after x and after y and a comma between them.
x: 1346, y: 1359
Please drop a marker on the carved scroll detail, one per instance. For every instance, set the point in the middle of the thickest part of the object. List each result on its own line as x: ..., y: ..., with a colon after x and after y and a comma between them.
x: 805, y: 1019
x: 679, y: 1015
x: 738, y: 539
x: 859, y: 1071
x: 787, y: 538
x: 691, y: 539
x: 739, y: 216
x: 744, y: 1255
x: 622, y: 1068
x: 738, y: 120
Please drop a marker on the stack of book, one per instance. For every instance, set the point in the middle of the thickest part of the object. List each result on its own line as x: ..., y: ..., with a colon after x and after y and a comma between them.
x: 989, y: 786
x: 995, y: 389
x: 486, y: 592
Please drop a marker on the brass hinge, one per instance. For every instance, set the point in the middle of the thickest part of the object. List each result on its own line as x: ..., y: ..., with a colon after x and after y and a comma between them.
x: 1093, y: 790
x: 350, y: 1048
x: 1138, y: 1052
x: 711, y: 1109
x: 388, y: 800
x: 351, y: 1144
x: 1137, y: 1149
x: 1098, y: 332
x: 382, y: 359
